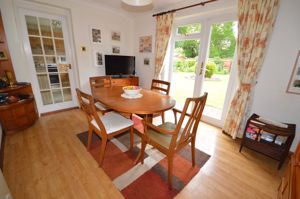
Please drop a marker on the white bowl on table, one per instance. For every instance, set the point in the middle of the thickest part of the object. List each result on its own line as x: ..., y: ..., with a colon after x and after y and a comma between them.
x: 132, y: 90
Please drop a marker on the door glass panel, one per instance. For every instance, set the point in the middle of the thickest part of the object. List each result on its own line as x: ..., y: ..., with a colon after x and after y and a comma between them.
x: 51, y: 60
x: 189, y: 29
x: 49, y: 57
x: 46, y: 97
x: 62, y: 59
x: 57, y: 28
x: 45, y: 27
x: 36, y: 47
x: 32, y: 25
x: 65, y: 79
x: 60, y: 47
x: 185, y: 60
x: 67, y: 94
x: 43, y: 81
x: 57, y: 95
x: 54, y: 80
x: 39, y: 64
x: 48, y: 46
x: 221, y: 51
x: 63, y: 68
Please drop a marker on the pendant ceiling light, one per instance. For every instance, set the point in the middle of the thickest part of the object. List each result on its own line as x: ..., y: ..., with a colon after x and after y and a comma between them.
x: 137, y: 2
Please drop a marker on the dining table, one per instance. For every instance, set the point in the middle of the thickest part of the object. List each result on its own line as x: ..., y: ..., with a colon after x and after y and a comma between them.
x: 148, y: 103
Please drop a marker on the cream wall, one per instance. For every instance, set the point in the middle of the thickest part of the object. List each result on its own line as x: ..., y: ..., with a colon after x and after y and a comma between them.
x: 145, y: 26
x: 270, y: 99
x: 83, y: 16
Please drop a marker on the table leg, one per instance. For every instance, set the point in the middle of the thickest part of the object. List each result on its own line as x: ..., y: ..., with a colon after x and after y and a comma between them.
x: 147, y: 118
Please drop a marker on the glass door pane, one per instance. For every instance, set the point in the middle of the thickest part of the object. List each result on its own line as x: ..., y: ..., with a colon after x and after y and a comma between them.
x: 185, y: 61
x: 221, y: 50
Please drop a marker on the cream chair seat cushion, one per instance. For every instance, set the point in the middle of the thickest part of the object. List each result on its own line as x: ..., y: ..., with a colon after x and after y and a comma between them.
x: 100, y: 106
x: 113, y: 122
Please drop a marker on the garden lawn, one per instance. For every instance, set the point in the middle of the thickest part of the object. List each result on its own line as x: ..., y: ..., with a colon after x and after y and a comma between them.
x: 183, y: 86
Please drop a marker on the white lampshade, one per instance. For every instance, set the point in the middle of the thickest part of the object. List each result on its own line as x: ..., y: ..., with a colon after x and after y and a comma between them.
x: 137, y: 2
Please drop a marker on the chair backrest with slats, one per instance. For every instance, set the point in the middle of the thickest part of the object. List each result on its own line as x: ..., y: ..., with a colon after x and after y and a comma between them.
x: 99, y: 82
x: 86, y: 102
x: 160, y: 86
x: 182, y: 137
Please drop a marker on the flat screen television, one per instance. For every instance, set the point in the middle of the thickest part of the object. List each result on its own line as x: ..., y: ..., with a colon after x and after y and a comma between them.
x: 117, y: 65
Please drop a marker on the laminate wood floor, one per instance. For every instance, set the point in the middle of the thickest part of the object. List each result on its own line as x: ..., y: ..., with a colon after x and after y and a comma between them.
x: 48, y: 161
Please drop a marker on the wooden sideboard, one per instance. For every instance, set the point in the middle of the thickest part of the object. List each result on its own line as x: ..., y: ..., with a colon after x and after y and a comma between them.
x: 131, y: 80
x: 20, y: 114
x: 289, y: 187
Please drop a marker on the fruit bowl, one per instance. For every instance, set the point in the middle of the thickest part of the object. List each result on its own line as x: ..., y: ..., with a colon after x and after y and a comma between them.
x: 132, y: 90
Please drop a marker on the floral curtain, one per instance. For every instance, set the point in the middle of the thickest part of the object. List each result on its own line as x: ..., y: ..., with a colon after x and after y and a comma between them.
x: 163, y: 32
x: 256, y: 21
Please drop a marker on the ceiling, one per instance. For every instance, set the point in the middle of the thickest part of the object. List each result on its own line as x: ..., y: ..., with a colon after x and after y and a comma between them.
x: 156, y: 6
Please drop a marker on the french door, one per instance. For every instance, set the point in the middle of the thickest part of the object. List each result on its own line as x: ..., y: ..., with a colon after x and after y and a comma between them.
x: 202, y: 55
x: 47, y: 47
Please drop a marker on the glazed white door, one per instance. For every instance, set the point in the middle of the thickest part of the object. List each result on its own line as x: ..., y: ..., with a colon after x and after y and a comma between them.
x: 198, y: 46
x: 49, y: 54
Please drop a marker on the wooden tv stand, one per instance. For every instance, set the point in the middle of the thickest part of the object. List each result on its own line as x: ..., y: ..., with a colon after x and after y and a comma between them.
x: 125, y: 81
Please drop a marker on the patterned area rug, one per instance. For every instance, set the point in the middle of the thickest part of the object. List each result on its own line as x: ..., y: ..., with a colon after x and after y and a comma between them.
x: 143, y: 180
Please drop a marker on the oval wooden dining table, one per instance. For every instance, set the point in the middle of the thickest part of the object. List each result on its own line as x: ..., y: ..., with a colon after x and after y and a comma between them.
x: 151, y: 102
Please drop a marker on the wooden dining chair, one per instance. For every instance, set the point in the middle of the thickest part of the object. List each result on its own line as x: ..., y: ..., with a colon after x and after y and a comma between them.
x: 95, y: 84
x: 106, y: 126
x: 169, y: 137
x: 161, y: 87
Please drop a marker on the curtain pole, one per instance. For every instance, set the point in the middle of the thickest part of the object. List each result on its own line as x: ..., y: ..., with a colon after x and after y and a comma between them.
x: 190, y: 6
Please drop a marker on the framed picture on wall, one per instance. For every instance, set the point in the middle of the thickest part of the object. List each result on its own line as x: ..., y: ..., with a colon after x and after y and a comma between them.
x: 98, y: 58
x: 145, y: 44
x: 115, y: 36
x: 116, y: 49
x: 96, y: 37
x: 294, y: 83
x: 146, y: 61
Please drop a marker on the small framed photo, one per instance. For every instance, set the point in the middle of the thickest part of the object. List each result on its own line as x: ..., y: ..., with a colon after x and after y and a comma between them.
x: 98, y: 58
x: 145, y: 44
x: 115, y: 36
x: 96, y: 37
x: 294, y: 83
x: 116, y: 49
x: 146, y: 61
x: 3, y: 55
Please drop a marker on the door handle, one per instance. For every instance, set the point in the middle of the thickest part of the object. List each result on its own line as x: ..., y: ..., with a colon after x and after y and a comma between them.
x: 201, y: 68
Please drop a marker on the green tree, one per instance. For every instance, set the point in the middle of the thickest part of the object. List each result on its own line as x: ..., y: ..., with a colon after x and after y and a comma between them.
x: 223, y: 40
x: 189, y: 29
x: 190, y: 47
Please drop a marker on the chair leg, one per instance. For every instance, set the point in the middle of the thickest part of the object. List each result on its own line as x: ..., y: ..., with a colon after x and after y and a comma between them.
x: 170, y: 170
x: 90, y: 134
x: 102, y: 150
x: 140, y: 157
x: 144, y: 143
x: 131, y: 138
x: 163, y: 117
x: 193, y: 150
